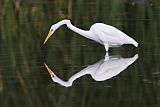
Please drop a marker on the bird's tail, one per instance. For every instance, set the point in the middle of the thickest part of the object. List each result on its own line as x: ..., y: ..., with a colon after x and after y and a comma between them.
x: 132, y: 41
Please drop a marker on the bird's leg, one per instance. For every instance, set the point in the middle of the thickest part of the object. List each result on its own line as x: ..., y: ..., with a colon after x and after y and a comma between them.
x: 106, y: 46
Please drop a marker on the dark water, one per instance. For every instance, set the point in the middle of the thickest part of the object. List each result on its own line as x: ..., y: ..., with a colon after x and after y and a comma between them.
x: 24, y: 81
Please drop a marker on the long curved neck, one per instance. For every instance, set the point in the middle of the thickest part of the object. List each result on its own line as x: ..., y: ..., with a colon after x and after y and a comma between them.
x: 84, y: 33
x: 60, y: 23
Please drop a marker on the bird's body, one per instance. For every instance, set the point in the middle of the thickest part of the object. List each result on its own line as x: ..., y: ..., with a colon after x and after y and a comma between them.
x: 110, y: 35
x: 106, y: 35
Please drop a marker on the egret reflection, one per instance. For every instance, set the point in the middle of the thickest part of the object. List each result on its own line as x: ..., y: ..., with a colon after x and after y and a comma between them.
x: 102, y: 70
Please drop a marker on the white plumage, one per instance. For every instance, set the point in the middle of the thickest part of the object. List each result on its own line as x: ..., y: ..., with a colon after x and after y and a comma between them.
x: 106, y: 35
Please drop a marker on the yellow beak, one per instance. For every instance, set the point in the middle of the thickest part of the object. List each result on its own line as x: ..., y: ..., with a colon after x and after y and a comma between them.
x: 49, y: 70
x: 48, y: 36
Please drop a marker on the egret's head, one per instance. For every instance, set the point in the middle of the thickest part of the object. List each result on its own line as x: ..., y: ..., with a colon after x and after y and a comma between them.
x: 51, y: 31
x: 54, y: 27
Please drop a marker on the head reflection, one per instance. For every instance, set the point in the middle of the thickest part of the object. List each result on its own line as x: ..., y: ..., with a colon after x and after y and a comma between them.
x: 102, y: 70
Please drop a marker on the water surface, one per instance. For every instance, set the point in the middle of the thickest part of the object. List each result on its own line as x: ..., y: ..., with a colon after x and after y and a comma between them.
x: 24, y: 81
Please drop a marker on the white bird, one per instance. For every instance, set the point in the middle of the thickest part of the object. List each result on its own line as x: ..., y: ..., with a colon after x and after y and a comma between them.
x: 100, y: 71
x: 106, y: 35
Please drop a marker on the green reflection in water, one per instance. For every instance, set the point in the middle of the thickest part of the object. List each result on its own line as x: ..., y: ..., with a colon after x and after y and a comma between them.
x: 24, y: 80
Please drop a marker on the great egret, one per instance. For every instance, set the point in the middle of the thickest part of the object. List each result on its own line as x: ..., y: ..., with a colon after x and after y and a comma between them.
x: 100, y: 71
x: 106, y: 35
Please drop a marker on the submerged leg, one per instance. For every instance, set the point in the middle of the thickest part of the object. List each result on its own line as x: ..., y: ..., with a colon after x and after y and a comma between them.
x: 106, y: 57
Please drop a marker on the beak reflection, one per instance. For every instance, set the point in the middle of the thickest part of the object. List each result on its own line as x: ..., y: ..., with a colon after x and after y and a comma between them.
x: 49, y: 70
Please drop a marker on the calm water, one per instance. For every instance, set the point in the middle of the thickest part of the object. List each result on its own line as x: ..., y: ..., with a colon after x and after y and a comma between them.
x: 24, y: 81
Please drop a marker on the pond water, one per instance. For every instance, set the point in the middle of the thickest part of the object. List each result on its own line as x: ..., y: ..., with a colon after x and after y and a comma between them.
x: 24, y: 80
